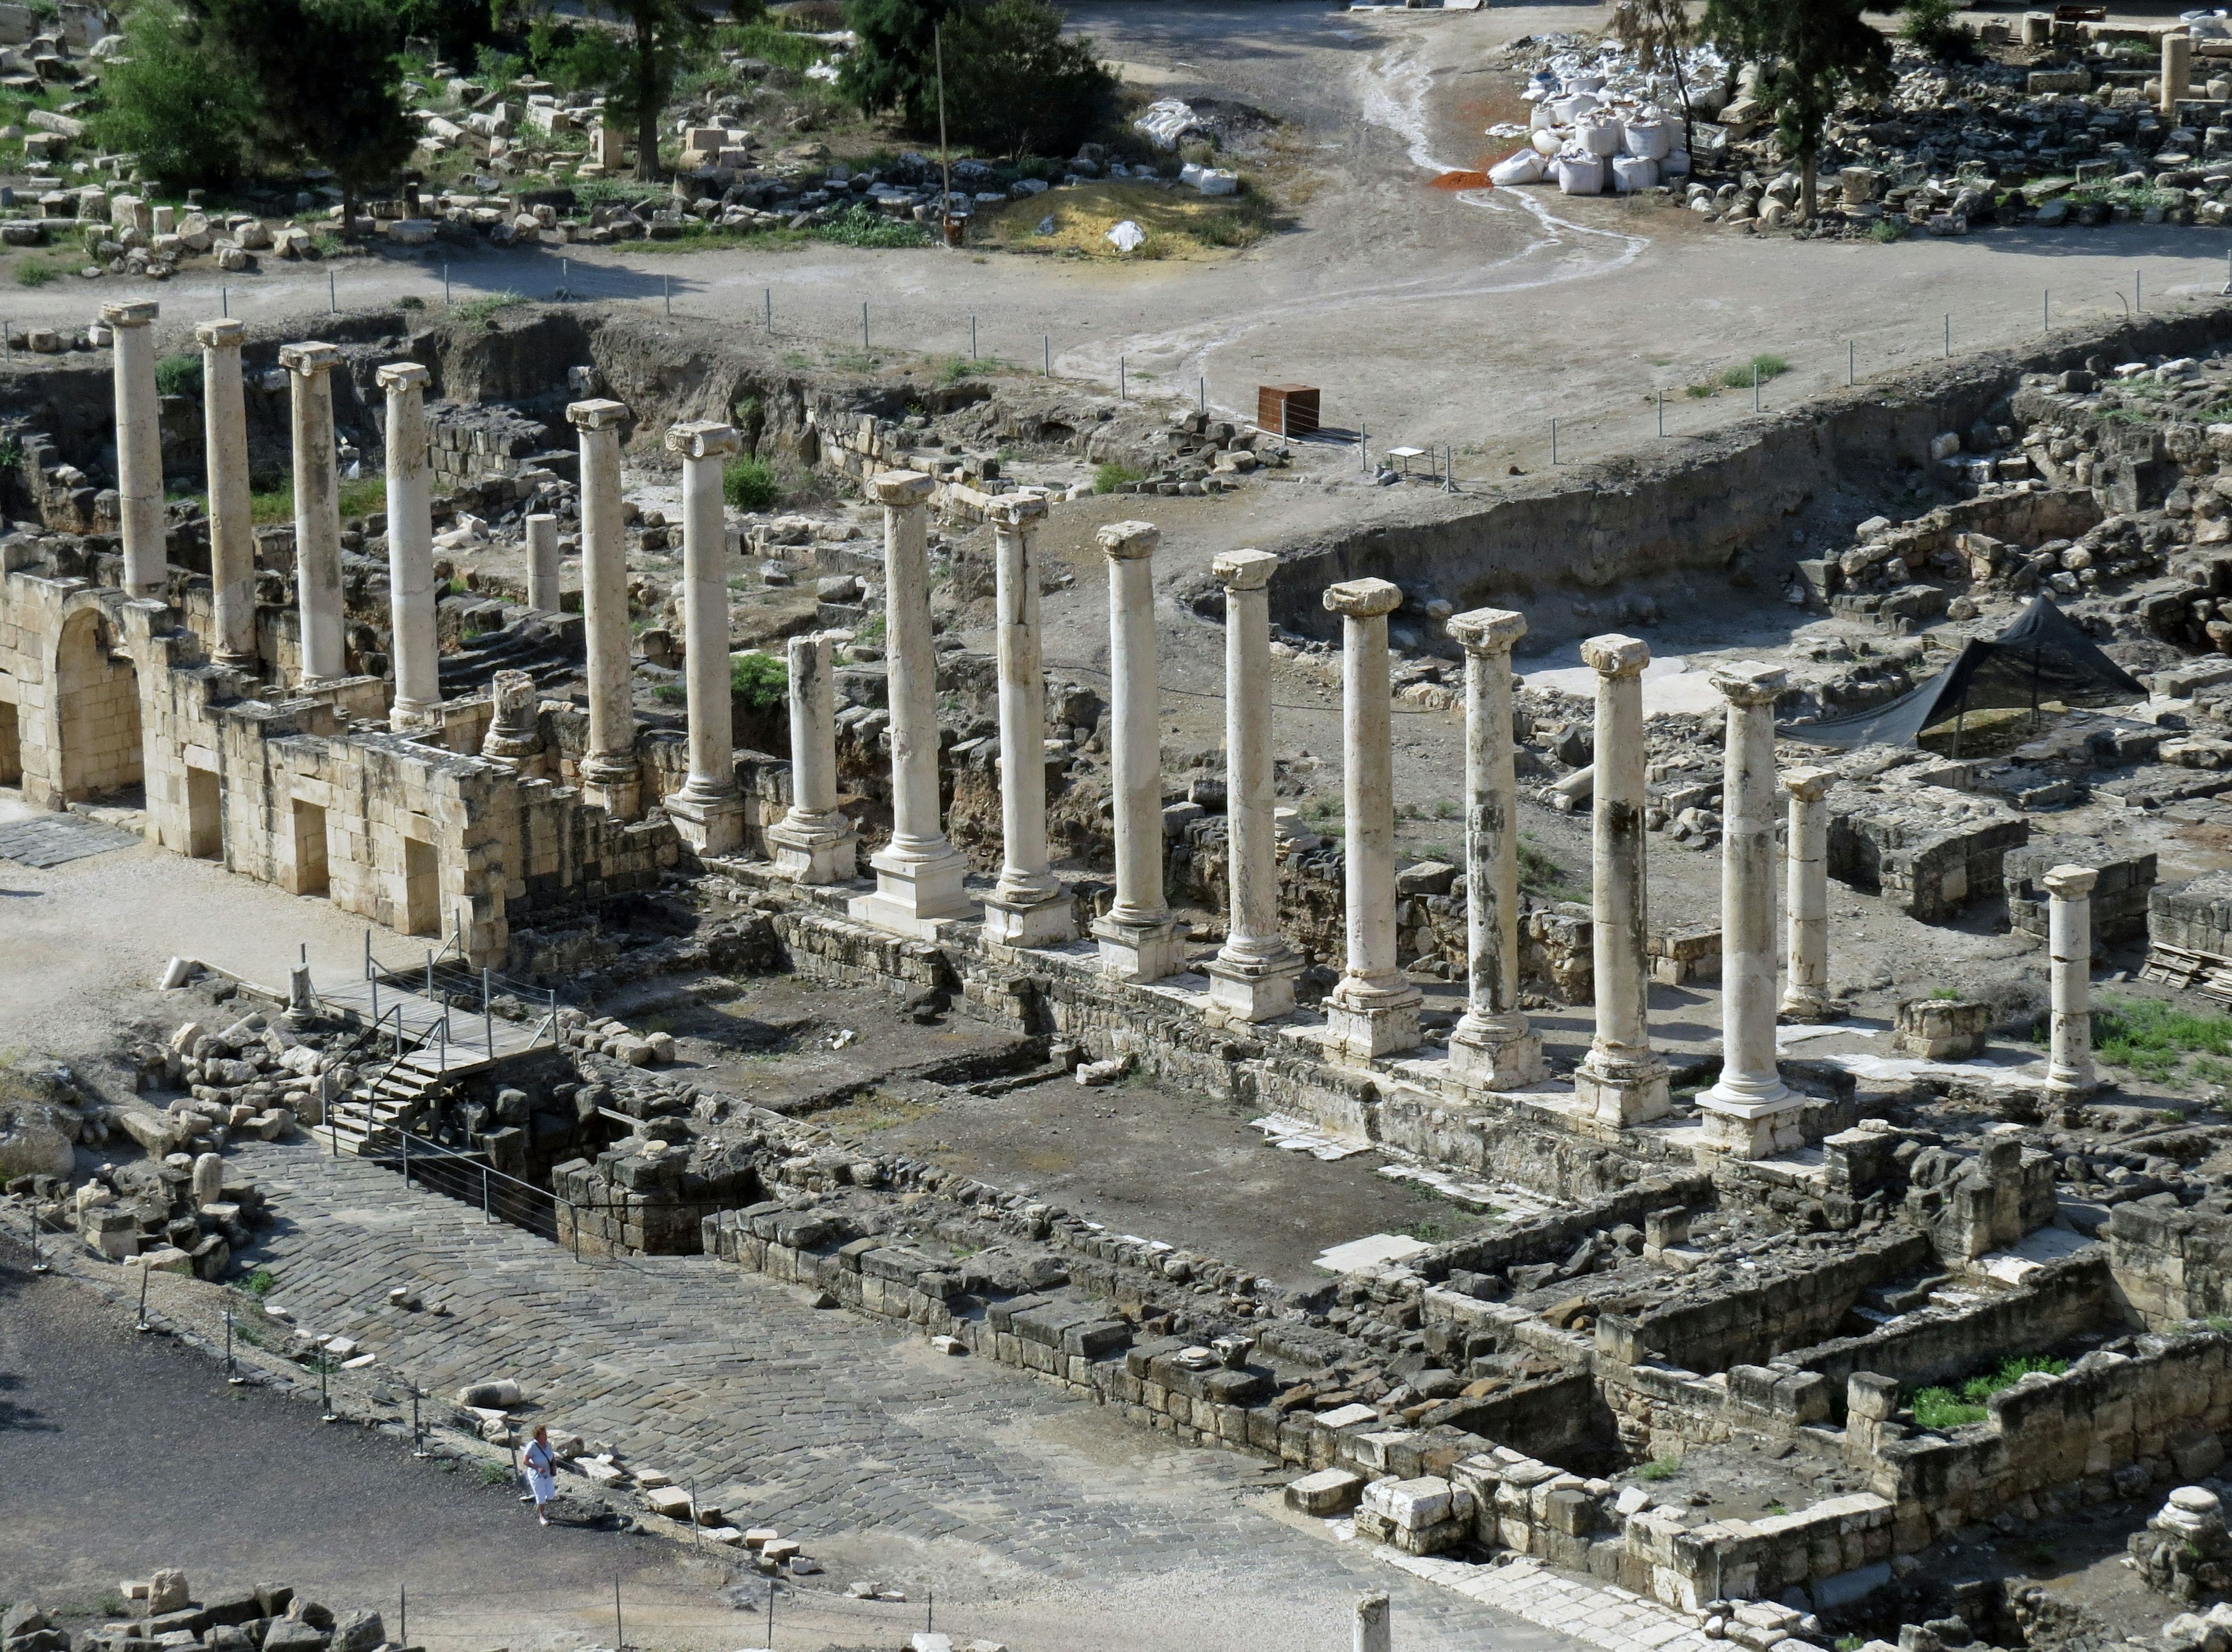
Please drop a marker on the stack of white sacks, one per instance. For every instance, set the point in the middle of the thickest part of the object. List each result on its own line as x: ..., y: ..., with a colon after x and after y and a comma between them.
x: 1585, y: 138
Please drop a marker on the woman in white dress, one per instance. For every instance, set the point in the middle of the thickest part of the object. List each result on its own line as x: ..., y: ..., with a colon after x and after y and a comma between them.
x: 541, y: 1472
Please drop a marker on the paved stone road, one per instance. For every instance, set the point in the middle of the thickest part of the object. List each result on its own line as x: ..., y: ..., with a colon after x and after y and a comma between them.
x: 887, y: 1458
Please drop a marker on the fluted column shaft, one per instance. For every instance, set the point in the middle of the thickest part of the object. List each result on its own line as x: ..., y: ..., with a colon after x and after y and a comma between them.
x: 608, y: 770
x: 1751, y: 1078
x: 139, y: 446
x: 409, y: 547
x: 232, y: 535
x: 1029, y: 906
x: 1806, y: 899
x: 317, y: 510
x: 1253, y: 977
x: 814, y: 842
x: 2069, y: 1073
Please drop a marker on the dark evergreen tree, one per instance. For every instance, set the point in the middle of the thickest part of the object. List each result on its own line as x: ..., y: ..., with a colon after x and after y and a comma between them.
x: 1810, y: 54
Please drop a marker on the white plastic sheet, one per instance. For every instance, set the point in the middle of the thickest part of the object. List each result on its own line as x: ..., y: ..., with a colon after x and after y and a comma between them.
x: 1126, y: 236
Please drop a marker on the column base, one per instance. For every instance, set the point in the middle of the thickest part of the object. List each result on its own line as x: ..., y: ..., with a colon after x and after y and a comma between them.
x: 1253, y: 990
x: 1752, y: 1129
x: 1809, y: 1009
x: 613, y: 786
x: 2066, y: 1084
x: 1049, y: 921
x: 710, y: 826
x: 814, y: 848
x: 913, y: 896
x: 1620, y: 1092
x: 406, y: 716
x: 1363, y: 1020
x: 1140, y: 952
x: 1495, y: 1054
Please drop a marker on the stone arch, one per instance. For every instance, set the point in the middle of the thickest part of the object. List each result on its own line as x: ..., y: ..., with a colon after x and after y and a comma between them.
x: 97, y: 703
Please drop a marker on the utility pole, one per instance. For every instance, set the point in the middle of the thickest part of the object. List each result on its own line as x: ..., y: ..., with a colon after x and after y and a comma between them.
x: 947, y: 223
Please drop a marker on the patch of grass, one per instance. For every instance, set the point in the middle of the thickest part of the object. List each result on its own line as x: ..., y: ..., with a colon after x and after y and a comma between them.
x: 1778, y: 1507
x: 410, y: 301
x: 748, y: 485
x: 671, y: 694
x: 851, y: 359
x: 1767, y: 366
x: 871, y: 630
x: 35, y: 273
x: 496, y: 1474
x: 1538, y: 873
x: 2036, y: 1554
x: 474, y: 313
x: 1659, y: 1469
x: 1946, y: 995
x: 863, y: 226
x: 761, y: 681
x: 1850, y: 1642
x: 1946, y: 1408
x: 2153, y: 1039
x: 179, y: 375
x: 1888, y: 230
x: 1699, y: 391
x: 260, y: 1283
x: 1111, y: 476
x: 1426, y: 1230
x: 1179, y: 223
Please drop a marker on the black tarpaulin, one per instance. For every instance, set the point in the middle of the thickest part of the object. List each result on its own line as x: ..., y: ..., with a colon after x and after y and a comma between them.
x: 2042, y: 656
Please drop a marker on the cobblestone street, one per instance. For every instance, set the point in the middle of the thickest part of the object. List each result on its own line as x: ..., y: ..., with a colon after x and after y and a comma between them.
x: 1037, y: 1520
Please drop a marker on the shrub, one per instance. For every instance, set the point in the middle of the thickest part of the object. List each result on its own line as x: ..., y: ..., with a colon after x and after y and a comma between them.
x: 1888, y: 230
x: 178, y: 376
x: 861, y: 226
x: 1767, y: 366
x: 760, y: 681
x: 1929, y: 26
x: 748, y: 485
x: 1111, y: 476
x: 1659, y: 1469
x: 1016, y: 84
x: 176, y: 103
x: 33, y: 273
x: 1945, y: 1408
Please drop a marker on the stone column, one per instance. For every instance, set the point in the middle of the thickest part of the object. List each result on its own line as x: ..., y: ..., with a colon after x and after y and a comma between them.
x: 410, y: 596
x: 708, y: 810
x: 1374, y: 1009
x: 543, y: 564
x: 1372, y: 1632
x: 1806, y: 901
x: 608, y: 771
x: 813, y: 843
x: 919, y: 874
x: 232, y: 540
x: 1621, y: 1079
x: 1031, y: 907
x: 1493, y: 1047
x: 514, y: 738
x: 2069, y: 1075
x: 317, y: 510
x: 139, y: 446
x: 2176, y: 70
x: 1750, y: 1112
x: 1139, y: 939
x: 1252, y: 978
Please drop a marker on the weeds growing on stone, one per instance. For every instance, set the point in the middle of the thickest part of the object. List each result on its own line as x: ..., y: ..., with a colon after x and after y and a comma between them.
x: 1659, y: 1469
x: 1111, y: 476
x: 1947, y: 1408
x: 2153, y: 1039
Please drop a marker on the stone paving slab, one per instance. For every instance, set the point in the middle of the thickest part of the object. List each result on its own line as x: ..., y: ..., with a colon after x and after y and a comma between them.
x: 56, y: 839
x: 1613, y: 1619
x: 828, y: 1426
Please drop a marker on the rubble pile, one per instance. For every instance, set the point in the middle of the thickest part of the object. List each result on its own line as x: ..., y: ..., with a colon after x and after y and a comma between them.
x: 272, y: 1618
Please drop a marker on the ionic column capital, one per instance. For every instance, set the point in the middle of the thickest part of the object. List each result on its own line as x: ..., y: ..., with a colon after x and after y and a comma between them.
x: 1487, y: 631
x: 1245, y: 570
x: 1808, y: 785
x: 2070, y: 882
x: 400, y: 378
x: 1750, y: 683
x: 596, y: 415
x: 138, y: 313
x: 306, y: 360
x: 220, y: 335
x: 1613, y: 655
x: 896, y: 490
x: 1129, y: 542
x: 1363, y: 599
x: 704, y: 439
x: 1014, y: 510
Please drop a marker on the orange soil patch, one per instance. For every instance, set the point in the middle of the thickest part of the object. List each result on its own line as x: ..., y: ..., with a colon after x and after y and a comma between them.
x: 1462, y: 181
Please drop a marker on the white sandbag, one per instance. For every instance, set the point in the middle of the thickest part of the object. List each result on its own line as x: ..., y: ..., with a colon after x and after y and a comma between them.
x: 1541, y: 117
x: 1649, y: 140
x: 1579, y: 174
x: 1524, y: 167
x: 1676, y: 165
x: 1601, y: 138
x: 1216, y: 180
x: 1586, y: 82
x: 1573, y: 107
x: 1633, y: 173
x: 1547, y: 143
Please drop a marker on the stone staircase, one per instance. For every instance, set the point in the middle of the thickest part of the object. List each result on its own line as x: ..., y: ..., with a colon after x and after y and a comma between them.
x: 548, y: 647
x: 370, y: 1118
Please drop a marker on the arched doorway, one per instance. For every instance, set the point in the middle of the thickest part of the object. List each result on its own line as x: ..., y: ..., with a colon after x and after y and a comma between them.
x: 98, y: 693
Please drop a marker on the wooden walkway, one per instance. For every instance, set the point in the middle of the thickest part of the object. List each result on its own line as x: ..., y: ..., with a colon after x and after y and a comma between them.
x: 473, y: 1042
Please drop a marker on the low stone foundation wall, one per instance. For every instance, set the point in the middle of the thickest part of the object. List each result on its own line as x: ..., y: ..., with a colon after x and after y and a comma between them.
x: 2170, y: 1265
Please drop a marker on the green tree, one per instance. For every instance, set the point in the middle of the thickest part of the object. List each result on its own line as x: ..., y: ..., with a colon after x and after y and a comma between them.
x: 1015, y: 84
x: 182, y: 107
x: 1810, y: 54
x: 330, y: 89
x: 894, y: 65
x: 1657, y: 32
x: 636, y: 68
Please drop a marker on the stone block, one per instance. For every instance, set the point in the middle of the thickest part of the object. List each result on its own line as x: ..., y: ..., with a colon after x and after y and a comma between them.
x: 1327, y: 1492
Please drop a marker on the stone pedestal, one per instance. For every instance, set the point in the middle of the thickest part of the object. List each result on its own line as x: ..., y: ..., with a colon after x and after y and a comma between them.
x: 1493, y: 1047
x: 138, y: 447
x: 1749, y: 1112
x: 513, y: 737
x: 1252, y: 978
x: 1374, y: 1009
x: 813, y: 843
x: 317, y: 510
x: 543, y: 594
x: 410, y: 549
x: 232, y: 536
x: 708, y: 809
x: 1030, y: 907
x: 2069, y: 1075
x: 1139, y: 939
x: 1806, y: 901
x: 610, y: 777
x: 1622, y: 1079
x: 920, y: 875
x: 2176, y: 70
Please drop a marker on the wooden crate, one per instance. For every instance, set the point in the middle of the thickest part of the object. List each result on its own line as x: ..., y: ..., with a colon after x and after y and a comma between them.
x: 1287, y: 410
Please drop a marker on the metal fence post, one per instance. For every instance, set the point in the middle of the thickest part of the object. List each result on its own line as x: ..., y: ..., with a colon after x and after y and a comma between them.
x: 1662, y: 412
x: 446, y: 285
x: 1851, y: 362
x: 484, y: 1195
x: 1948, y: 338
x: 972, y: 338
x: 488, y: 1019
x: 332, y: 292
x: 1045, y: 341
x: 864, y: 324
x: 405, y: 1133
x: 1553, y: 441
x: 1123, y: 384
x: 1754, y: 386
x: 39, y: 1264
